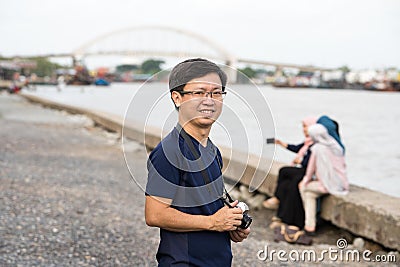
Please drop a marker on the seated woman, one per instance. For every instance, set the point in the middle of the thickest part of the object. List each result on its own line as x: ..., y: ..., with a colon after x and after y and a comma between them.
x: 327, y: 164
x: 287, y: 197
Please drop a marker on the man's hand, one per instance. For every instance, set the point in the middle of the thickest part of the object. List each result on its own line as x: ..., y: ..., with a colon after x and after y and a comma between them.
x: 227, y: 219
x: 239, y: 235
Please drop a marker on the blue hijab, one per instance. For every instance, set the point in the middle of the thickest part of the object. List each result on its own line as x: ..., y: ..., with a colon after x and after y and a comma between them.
x: 332, y: 127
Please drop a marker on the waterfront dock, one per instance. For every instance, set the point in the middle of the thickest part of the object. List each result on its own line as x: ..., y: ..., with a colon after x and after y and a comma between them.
x: 67, y: 197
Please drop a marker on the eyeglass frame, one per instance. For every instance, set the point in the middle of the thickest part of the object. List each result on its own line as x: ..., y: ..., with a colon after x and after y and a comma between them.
x: 204, y: 93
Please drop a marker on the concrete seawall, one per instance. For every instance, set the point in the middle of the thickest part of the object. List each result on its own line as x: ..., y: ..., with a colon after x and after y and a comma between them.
x: 363, y: 212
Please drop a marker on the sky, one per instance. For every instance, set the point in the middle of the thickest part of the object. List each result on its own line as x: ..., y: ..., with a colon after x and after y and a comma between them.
x: 327, y: 33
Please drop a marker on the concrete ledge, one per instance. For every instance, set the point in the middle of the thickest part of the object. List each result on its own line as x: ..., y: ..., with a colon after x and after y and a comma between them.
x: 367, y: 213
x: 363, y: 212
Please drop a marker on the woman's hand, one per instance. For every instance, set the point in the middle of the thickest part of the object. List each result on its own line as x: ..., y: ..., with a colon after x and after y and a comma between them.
x: 302, y: 184
x: 297, y: 160
x: 279, y: 142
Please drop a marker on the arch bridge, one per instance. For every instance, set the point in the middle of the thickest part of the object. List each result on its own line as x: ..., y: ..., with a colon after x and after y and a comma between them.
x: 164, y: 41
x: 156, y: 41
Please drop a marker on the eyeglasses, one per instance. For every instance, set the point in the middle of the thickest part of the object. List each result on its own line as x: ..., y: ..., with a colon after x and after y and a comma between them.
x: 218, y: 95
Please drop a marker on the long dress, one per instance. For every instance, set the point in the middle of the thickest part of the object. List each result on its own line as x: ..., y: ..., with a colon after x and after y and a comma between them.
x: 291, y: 210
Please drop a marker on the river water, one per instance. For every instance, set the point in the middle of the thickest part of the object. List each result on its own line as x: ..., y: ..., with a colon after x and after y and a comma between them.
x: 369, y: 121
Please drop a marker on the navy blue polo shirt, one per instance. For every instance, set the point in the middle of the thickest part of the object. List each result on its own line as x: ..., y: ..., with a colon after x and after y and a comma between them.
x: 175, y: 173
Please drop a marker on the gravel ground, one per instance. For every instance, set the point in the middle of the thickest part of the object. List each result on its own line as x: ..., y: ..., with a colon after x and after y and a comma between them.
x: 67, y: 199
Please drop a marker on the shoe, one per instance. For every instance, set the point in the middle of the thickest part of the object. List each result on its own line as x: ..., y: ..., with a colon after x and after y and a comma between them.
x: 275, y: 224
x: 310, y: 233
x: 271, y: 203
x: 276, y: 219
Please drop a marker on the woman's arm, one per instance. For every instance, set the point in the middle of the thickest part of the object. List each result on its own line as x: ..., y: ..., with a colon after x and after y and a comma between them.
x: 309, y: 172
x: 281, y: 143
x: 295, y: 148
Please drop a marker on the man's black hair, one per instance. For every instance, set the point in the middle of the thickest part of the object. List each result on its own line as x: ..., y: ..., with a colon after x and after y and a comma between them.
x: 193, y: 68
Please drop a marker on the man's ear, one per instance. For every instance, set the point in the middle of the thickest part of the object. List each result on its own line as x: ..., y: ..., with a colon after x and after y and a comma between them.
x: 177, y: 98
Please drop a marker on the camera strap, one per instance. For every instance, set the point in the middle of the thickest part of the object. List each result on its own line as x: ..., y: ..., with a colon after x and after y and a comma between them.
x: 204, y: 172
x: 189, y: 142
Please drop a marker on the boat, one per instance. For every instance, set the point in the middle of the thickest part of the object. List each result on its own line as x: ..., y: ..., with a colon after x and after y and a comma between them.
x: 101, y: 82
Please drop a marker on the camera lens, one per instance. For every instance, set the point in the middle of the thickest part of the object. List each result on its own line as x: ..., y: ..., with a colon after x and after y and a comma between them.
x: 246, y: 221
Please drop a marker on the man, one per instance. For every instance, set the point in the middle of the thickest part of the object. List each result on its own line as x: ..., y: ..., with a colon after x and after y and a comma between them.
x: 185, y: 186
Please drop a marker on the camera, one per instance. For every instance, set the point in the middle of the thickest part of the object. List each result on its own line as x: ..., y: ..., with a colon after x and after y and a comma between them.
x: 270, y: 140
x: 246, y: 220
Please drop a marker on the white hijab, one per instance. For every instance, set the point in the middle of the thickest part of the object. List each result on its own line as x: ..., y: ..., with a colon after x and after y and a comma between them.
x: 330, y: 163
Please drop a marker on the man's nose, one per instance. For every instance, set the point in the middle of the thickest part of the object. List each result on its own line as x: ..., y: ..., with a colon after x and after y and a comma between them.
x: 208, y: 100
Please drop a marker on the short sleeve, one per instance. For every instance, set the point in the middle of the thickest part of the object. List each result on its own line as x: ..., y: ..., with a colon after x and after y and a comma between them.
x: 163, y: 176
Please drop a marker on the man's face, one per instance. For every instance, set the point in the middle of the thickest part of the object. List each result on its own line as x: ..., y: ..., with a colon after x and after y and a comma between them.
x: 199, y: 111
